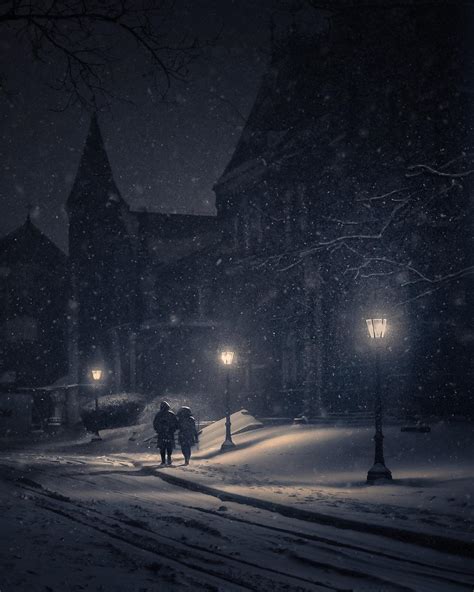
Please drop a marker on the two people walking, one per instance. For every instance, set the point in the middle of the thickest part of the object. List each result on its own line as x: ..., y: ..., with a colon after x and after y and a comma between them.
x: 166, y: 423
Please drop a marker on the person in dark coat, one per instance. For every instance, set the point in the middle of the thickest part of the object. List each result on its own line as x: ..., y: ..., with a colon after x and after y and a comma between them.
x: 165, y: 425
x: 187, y: 434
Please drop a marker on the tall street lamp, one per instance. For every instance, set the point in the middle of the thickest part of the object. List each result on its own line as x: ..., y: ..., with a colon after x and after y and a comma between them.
x: 96, y: 378
x: 377, y: 329
x: 227, y: 358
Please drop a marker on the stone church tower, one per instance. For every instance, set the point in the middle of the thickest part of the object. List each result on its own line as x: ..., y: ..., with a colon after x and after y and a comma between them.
x: 103, y: 258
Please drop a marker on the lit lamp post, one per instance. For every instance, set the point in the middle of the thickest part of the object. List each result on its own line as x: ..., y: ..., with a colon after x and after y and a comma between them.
x: 227, y: 357
x: 377, y: 329
x: 96, y: 377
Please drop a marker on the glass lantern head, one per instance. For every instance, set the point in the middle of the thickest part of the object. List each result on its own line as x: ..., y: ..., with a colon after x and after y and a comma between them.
x: 377, y: 328
x: 227, y: 357
x: 96, y: 374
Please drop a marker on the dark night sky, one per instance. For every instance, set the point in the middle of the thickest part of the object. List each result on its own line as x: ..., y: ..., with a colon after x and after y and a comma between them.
x: 166, y: 157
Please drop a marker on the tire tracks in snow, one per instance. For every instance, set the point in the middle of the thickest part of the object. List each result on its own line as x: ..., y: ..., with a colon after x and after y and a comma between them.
x: 366, y: 556
x: 190, y: 556
x: 341, y: 545
x: 431, y: 541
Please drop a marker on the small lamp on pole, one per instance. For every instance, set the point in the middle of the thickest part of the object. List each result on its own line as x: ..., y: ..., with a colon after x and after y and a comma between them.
x: 227, y: 358
x: 377, y: 328
x: 96, y: 375
x: 96, y: 378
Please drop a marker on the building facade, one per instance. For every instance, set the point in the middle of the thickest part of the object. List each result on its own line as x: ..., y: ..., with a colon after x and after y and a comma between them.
x: 322, y: 220
x: 33, y: 284
x: 340, y: 181
x: 348, y: 197
x: 135, y: 307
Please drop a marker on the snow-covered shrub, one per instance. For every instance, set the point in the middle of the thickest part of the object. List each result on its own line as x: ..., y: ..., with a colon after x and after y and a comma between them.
x: 115, y: 411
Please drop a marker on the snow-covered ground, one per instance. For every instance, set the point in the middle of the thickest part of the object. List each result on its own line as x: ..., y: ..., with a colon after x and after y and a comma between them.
x: 82, y: 516
x: 71, y: 522
x: 323, y: 469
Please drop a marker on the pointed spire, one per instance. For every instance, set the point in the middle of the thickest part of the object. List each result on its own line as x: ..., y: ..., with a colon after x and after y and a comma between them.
x: 94, y: 182
x: 94, y: 156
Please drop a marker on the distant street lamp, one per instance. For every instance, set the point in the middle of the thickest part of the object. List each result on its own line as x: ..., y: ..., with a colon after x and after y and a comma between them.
x: 377, y: 329
x: 227, y: 358
x: 96, y: 377
x: 97, y: 374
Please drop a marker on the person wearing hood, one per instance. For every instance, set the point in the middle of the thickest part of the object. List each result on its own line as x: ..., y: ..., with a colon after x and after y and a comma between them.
x: 187, y: 434
x: 165, y: 425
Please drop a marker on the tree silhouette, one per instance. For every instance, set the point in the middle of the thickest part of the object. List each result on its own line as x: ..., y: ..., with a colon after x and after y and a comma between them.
x: 83, y: 41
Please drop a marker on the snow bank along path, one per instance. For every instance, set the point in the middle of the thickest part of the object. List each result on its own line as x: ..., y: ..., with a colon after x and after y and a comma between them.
x: 87, y: 520
x: 322, y: 471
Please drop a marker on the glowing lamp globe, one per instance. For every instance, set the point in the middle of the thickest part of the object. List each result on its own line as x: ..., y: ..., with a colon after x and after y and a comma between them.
x: 227, y: 357
x: 376, y: 327
x: 97, y: 374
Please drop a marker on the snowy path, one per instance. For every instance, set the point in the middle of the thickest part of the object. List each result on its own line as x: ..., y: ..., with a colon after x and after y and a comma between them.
x: 110, y: 525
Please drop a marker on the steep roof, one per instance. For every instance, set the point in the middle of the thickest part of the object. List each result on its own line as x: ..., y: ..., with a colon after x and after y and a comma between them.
x: 323, y: 107
x: 286, y: 106
x: 94, y: 178
x: 27, y: 245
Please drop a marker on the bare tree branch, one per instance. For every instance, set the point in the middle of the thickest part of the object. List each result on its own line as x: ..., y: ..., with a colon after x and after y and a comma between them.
x: 86, y: 39
x: 383, y: 245
x: 418, y: 169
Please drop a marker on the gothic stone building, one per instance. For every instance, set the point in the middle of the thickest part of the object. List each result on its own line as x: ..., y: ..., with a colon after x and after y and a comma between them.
x: 324, y: 214
x: 33, y: 282
x: 132, y: 310
x: 323, y: 217
x: 33, y: 285
x: 331, y: 199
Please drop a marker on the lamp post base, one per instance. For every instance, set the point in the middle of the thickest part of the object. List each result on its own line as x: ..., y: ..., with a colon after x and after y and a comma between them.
x: 227, y: 445
x: 378, y: 472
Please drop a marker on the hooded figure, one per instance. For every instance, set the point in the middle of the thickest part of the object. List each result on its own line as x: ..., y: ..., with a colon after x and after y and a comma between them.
x: 165, y: 425
x: 187, y: 432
